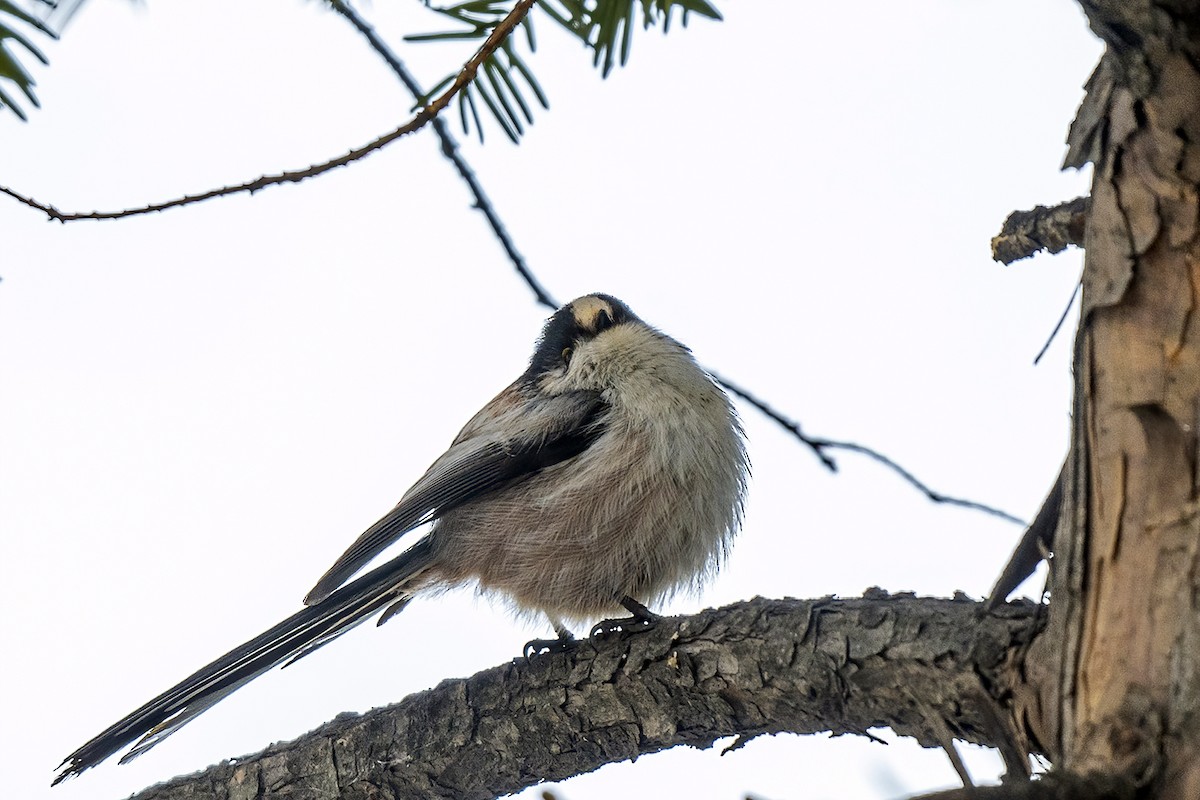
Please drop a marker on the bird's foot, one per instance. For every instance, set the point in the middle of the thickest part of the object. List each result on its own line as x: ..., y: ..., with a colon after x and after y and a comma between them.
x: 537, y: 647
x: 643, y: 619
x: 608, y: 627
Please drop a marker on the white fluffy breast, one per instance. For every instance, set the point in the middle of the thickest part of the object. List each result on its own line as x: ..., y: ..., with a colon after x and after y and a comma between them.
x: 649, y: 508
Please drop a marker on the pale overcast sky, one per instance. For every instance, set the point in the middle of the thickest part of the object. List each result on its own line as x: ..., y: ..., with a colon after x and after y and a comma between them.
x: 202, y: 408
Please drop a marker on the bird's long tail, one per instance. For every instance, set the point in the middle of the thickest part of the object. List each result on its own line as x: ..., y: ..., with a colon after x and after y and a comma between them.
x: 388, y: 585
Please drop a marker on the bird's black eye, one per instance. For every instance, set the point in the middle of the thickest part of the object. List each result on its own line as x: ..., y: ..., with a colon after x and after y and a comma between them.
x: 566, y: 355
x: 603, y: 320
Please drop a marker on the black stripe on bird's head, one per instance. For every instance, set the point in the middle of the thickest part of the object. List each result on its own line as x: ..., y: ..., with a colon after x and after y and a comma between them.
x: 580, y: 320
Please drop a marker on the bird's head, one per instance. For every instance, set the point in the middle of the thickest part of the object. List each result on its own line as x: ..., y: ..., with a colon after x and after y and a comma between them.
x: 595, y: 343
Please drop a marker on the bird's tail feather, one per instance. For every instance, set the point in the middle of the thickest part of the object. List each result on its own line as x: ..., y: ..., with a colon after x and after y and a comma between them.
x: 292, y: 639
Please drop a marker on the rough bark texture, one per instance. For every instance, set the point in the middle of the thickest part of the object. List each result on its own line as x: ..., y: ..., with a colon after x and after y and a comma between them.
x: 1040, y: 228
x: 1122, y: 651
x: 927, y: 668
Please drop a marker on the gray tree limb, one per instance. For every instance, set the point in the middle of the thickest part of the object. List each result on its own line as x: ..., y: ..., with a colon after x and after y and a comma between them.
x: 921, y: 666
x: 1051, y: 229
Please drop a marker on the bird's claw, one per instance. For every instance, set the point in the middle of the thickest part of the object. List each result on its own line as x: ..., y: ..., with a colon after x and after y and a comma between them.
x: 643, y: 619
x: 538, y: 647
x: 635, y: 624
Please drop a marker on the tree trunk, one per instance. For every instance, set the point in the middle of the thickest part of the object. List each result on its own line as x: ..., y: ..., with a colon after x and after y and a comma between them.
x: 1122, y: 650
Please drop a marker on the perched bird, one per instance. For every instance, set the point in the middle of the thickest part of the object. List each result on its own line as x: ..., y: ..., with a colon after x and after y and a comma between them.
x: 610, y: 474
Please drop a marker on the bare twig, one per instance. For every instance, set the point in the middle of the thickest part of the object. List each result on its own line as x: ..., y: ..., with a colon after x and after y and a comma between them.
x: 1058, y: 325
x: 422, y: 118
x: 791, y: 426
x: 936, y: 497
x: 946, y: 742
x: 1051, y: 229
x: 449, y: 150
x: 819, y: 446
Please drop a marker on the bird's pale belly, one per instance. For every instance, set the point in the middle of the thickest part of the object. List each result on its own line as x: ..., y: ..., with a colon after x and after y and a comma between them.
x: 569, y: 561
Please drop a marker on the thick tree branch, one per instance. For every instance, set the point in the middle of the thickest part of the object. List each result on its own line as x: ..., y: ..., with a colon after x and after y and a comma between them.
x: 1051, y: 229
x: 422, y: 118
x: 763, y: 666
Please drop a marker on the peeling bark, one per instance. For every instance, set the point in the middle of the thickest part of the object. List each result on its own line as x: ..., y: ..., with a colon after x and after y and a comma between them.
x: 1124, y: 632
x: 920, y: 666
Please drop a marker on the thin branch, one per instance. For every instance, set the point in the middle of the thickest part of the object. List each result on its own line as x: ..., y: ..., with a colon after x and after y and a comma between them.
x: 819, y: 446
x: 1059, y: 324
x: 753, y: 668
x: 1041, y: 228
x: 450, y: 151
x: 936, y: 497
x: 945, y: 741
x: 791, y: 426
x: 422, y: 118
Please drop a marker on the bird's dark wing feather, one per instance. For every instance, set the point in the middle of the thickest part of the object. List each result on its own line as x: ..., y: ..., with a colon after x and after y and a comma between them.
x: 1037, y: 540
x: 522, y: 441
x: 294, y: 638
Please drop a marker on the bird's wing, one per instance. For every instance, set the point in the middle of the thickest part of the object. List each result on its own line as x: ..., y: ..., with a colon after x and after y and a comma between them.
x: 505, y: 442
x: 1035, y: 543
